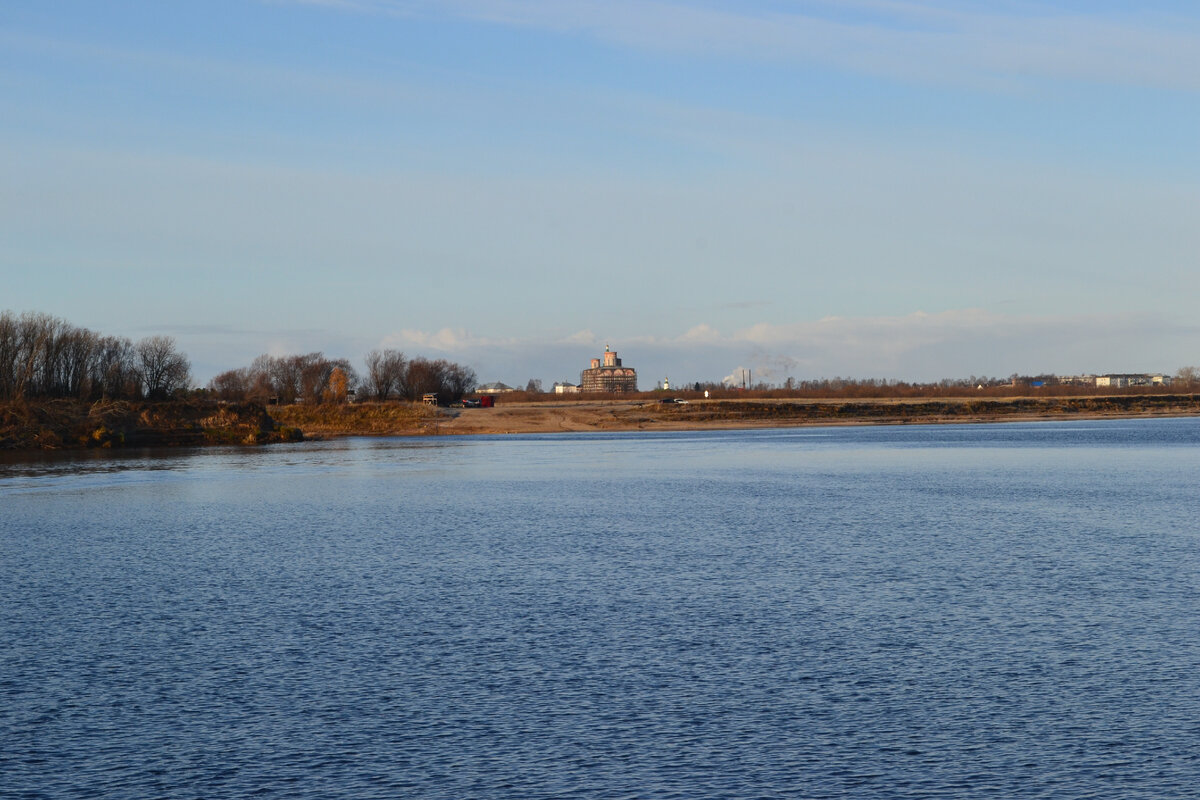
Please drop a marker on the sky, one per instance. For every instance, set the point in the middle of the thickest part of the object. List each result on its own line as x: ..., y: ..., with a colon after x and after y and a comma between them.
x: 900, y: 189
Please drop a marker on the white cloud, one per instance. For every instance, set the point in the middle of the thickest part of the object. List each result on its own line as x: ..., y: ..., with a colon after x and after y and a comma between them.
x: 582, y: 337
x: 896, y: 334
x: 918, y: 346
x: 448, y: 340
x: 700, y: 334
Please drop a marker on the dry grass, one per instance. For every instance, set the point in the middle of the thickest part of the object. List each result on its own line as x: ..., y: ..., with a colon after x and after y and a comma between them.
x: 630, y: 414
x: 359, y: 419
x: 62, y: 424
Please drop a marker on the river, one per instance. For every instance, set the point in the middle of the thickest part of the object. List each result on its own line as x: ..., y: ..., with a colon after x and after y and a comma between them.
x: 1007, y: 610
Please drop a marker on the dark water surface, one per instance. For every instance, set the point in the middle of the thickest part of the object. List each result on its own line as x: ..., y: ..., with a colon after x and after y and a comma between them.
x: 921, y: 612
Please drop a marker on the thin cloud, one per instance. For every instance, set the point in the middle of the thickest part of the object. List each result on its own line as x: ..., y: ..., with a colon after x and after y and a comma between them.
x: 239, y: 75
x: 581, y: 337
x: 447, y: 340
x: 917, y: 41
x: 700, y: 334
x: 228, y: 330
x: 743, y: 305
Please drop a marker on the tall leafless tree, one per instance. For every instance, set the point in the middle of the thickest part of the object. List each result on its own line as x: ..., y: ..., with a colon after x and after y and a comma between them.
x: 44, y: 356
x: 162, y: 368
x: 113, y: 372
x: 448, y: 380
x: 385, y: 374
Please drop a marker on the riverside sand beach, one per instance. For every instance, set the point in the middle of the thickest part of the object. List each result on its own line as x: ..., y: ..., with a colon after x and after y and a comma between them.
x: 648, y: 414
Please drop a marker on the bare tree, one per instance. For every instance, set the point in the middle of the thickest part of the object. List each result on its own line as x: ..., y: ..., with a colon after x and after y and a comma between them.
x: 422, y: 377
x: 162, y: 368
x: 10, y: 354
x: 113, y: 373
x: 316, y: 371
x: 44, y: 356
x: 288, y: 379
x: 449, y: 380
x: 459, y: 380
x: 285, y: 377
x: 261, y: 380
x: 232, y: 385
x: 78, y: 351
x: 314, y: 376
x: 33, y: 332
x: 385, y: 374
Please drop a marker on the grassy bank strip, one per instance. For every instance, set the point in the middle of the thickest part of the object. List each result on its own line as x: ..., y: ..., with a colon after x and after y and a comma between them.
x: 756, y: 411
x: 360, y: 419
x: 74, y: 424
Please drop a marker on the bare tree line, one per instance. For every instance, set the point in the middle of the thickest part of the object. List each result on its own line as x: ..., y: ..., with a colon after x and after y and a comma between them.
x: 44, y: 356
x: 313, y: 378
x: 390, y: 374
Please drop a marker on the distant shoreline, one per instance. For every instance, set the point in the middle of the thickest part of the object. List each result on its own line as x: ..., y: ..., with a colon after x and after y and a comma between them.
x: 581, y: 416
x: 78, y: 425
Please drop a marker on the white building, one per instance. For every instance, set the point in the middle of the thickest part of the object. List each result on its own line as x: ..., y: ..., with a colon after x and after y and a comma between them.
x: 1120, y: 381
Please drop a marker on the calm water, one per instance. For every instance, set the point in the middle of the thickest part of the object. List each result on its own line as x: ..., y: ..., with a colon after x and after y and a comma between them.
x: 956, y: 611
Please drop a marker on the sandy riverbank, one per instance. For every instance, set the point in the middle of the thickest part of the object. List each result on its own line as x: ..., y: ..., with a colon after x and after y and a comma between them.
x: 643, y: 414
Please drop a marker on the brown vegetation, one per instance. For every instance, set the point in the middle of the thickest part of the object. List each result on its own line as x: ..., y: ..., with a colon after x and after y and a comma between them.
x: 361, y: 419
x: 73, y: 424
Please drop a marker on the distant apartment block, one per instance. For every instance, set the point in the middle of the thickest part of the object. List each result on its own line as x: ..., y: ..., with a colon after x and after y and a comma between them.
x: 1141, y: 379
x: 608, y: 375
x: 1116, y: 381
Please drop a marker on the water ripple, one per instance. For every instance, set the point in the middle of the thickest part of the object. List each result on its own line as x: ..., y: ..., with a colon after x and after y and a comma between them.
x: 995, y: 611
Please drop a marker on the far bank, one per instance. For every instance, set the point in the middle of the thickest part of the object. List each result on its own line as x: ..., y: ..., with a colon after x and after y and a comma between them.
x: 68, y: 424
x: 577, y: 416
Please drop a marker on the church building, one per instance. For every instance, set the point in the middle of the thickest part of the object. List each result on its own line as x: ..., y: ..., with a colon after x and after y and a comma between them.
x: 608, y: 376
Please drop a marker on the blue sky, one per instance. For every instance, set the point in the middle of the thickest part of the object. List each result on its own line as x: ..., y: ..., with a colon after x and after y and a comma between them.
x: 911, y: 190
